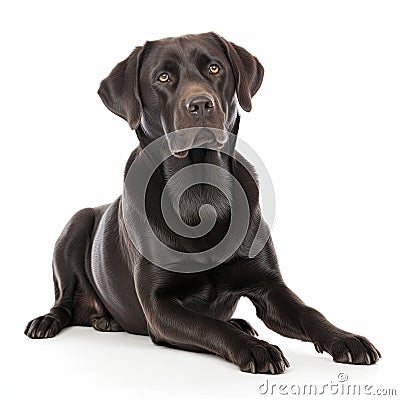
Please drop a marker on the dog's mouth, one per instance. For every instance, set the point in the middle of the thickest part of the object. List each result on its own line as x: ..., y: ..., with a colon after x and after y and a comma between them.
x: 180, y: 142
x: 180, y: 154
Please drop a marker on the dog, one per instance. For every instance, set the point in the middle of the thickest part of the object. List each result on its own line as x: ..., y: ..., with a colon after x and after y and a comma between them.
x: 101, y: 278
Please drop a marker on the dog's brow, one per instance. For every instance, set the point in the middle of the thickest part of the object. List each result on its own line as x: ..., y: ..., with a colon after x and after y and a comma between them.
x: 204, y: 58
x: 168, y: 64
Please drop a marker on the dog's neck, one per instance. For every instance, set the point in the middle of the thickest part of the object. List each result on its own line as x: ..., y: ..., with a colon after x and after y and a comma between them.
x: 207, y: 180
x: 200, y: 192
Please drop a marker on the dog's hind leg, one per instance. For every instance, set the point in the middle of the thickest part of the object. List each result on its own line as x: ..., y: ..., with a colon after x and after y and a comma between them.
x: 69, y: 276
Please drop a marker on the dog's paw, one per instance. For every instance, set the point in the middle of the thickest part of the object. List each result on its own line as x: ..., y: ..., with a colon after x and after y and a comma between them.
x: 104, y: 324
x: 43, y: 327
x: 352, y: 349
x: 258, y: 356
x: 243, y: 325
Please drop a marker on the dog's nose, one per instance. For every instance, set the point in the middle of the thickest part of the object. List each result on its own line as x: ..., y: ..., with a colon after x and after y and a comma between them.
x: 200, y: 106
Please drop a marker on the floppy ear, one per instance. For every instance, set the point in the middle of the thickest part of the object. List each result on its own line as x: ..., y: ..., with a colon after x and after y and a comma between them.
x: 247, y: 69
x: 120, y: 90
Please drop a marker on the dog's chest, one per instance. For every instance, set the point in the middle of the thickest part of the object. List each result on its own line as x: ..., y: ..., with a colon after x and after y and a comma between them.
x: 199, y: 195
x: 209, y: 298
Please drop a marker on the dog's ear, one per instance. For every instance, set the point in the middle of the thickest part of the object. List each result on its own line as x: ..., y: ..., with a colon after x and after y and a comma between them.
x: 120, y: 90
x: 247, y: 69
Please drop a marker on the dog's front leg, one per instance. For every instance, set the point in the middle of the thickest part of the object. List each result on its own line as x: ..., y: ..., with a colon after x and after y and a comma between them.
x: 284, y: 312
x: 169, y: 322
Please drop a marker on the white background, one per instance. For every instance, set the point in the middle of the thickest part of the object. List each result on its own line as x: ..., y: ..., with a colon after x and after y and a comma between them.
x: 325, y: 122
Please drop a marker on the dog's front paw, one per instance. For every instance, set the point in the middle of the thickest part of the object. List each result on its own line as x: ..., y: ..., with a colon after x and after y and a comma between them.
x: 46, y: 326
x: 258, y: 356
x: 351, y: 349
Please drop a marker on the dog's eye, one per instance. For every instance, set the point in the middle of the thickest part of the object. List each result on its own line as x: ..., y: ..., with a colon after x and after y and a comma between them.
x: 213, y: 69
x: 164, y: 77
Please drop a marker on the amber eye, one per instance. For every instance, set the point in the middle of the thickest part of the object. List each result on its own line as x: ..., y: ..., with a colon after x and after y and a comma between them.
x: 164, y: 77
x: 213, y: 69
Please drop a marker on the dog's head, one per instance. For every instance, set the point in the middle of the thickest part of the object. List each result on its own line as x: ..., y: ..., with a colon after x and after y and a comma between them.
x: 184, y: 82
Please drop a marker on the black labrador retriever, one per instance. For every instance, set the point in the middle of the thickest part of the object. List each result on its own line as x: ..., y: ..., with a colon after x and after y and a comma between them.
x: 102, y: 280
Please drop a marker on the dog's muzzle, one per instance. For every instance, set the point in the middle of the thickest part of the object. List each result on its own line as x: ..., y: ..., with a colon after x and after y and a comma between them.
x: 181, y: 141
